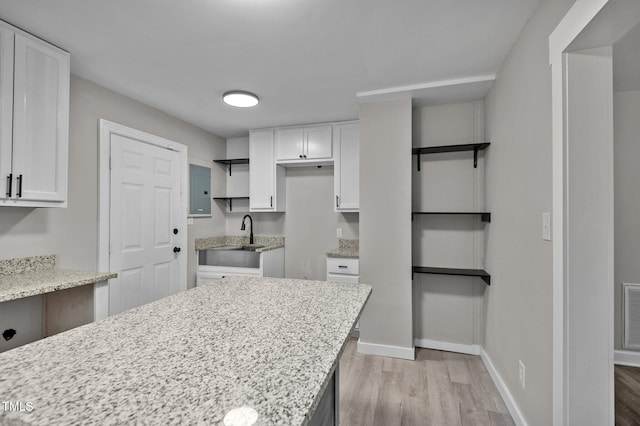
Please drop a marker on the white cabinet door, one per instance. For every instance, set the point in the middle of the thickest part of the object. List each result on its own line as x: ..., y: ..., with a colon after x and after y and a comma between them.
x: 317, y: 142
x: 347, y: 169
x: 295, y: 145
x: 261, y: 170
x: 40, y: 120
x: 266, y: 179
x: 289, y: 144
x: 6, y: 107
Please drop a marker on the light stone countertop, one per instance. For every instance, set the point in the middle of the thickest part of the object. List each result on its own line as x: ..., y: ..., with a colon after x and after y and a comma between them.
x: 348, y: 248
x: 267, y: 343
x: 32, y: 283
x: 31, y: 276
x: 269, y: 242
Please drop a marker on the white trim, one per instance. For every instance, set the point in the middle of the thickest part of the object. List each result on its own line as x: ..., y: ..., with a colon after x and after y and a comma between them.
x: 447, y: 346
x: 101, y: 291
x: 431, y: 85
x: 513, y: 408
x: 571, y: 25
x: 629, y: 358
x: 386, y: 350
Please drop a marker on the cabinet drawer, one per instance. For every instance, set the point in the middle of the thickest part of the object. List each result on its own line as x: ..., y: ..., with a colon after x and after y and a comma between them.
x: 338, y: 265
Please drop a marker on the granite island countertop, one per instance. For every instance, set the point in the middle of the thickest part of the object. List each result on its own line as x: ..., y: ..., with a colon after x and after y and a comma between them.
x: 31, y: 276
x: 267, y: 343
x: 268, y: 242
x: 347, y: 248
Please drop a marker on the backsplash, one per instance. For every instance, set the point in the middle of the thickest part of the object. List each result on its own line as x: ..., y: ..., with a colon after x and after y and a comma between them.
x: 237, y: 240
x: 26, y: 264
x: 344, y: 243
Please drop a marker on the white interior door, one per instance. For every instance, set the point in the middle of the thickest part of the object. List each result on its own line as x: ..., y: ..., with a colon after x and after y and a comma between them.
x: 145, y: 225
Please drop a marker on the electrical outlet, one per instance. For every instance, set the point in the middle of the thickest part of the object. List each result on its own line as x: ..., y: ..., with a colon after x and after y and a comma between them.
x: 339, y: 233
x: 190, y: 221
x: 521, y: 373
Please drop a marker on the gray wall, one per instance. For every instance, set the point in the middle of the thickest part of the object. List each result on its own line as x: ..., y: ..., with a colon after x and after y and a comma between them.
x: 518, y: 304
x: 626, y: 149
x: 448, y: 308
x: 385, y: 225
x: 72, y: 233
x: 308, y: 225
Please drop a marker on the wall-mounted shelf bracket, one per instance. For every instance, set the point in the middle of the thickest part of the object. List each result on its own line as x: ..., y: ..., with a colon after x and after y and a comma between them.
x: 228, y: 163
x: 229, y: 200
x: 475, y: 147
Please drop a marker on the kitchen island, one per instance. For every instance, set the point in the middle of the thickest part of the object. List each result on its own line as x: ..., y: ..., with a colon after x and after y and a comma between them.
x: 268, y: 344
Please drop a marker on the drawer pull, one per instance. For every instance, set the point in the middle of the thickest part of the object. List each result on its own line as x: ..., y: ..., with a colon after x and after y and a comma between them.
x: 342, y: 266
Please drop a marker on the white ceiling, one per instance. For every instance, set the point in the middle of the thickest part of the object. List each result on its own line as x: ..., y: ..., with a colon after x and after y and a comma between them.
x: 305, y: 59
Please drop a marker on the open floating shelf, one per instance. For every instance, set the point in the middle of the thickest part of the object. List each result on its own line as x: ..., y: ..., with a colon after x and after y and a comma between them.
x: 475, y: 147
x: 454, y: 271
x: 484, y: 216
x: 229, y: 200
x: 228, y: 163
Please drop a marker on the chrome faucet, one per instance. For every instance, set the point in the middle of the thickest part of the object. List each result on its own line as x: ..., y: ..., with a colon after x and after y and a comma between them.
x: 242, y: 228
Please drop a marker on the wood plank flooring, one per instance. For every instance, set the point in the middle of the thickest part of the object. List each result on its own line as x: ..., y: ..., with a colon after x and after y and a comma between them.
x: 627, y: 399
x: 438, y: 388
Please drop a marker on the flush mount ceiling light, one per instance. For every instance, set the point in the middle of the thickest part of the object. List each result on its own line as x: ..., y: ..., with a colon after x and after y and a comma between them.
x: 240, y: 99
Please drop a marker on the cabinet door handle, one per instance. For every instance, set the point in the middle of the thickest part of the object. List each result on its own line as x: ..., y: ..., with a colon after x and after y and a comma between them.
x: 9, y: 183
x: 300, y: 155
x: 337, y: 202
x: 305, y: 156
x: 19, y: 192
x: 271, y: 200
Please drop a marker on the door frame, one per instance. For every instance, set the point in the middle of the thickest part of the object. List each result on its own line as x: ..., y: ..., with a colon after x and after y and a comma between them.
x: 605, y: 21
x: 108, y: 128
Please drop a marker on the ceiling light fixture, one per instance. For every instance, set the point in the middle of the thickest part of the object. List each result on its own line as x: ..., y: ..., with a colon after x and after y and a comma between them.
x: 240, y: 99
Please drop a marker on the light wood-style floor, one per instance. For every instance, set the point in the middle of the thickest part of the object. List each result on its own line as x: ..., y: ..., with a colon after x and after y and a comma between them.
x: 627, y: 395
x: 438, y: 388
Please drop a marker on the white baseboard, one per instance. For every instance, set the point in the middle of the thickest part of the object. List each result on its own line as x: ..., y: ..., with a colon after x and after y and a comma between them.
x: 513, y: 408
x: 629, y: 358
x: 386, y: 350
x: 447, y: 346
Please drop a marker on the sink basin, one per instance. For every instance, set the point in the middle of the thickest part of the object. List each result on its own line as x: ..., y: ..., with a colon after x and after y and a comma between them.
x: 231, y: 256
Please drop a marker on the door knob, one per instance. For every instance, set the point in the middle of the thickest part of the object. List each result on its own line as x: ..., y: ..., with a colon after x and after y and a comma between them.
x: 176, y: 249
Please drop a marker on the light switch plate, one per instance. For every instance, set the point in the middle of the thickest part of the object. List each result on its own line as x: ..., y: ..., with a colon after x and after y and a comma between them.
x: 339, y: 233
x: 546, y: 226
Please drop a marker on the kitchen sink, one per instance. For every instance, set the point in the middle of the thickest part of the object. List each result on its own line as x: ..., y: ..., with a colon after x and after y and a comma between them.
x: 232, y: 256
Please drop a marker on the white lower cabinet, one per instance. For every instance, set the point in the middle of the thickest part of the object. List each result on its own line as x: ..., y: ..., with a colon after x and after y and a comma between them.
x: 207, y: 277
x: 344, y: 270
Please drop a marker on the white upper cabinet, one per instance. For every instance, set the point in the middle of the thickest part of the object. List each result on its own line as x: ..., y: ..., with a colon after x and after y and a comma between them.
x: 300, y: 145
x: 35, y: 120
x: 290, y: 144
x: 6, y: 104
x: 266, y: 179
x: 347, y: 167
x: 318, y: 142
